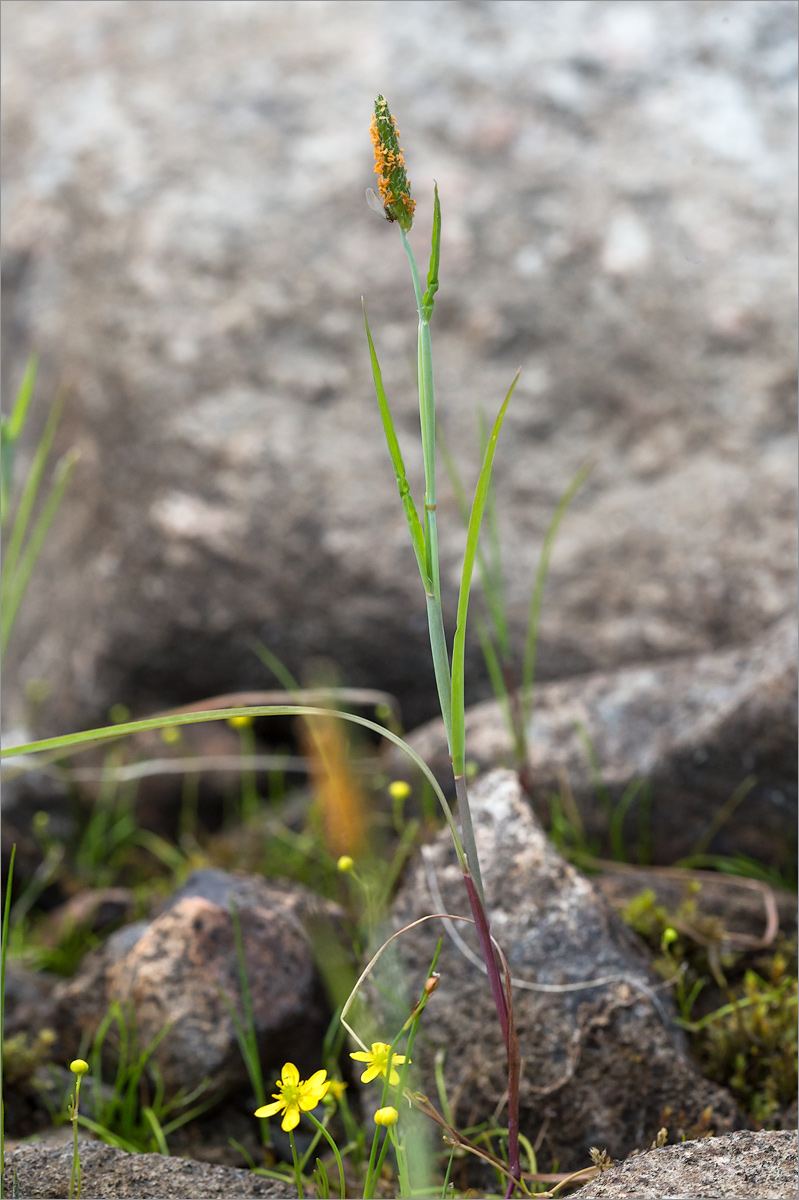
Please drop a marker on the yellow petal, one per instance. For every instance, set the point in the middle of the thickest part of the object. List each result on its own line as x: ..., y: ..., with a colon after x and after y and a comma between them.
x: 269, y: 1110
x: 361, y: 1056
x: 291, y: 1119
x: 370, y: 1073
x: 318, y: 1079
x: 290, y: 1074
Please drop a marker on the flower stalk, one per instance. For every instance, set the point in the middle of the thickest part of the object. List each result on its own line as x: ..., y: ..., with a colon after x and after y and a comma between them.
x: 399, y: 206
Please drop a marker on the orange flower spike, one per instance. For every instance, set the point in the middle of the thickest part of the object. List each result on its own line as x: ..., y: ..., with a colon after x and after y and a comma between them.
x: 393, y: 182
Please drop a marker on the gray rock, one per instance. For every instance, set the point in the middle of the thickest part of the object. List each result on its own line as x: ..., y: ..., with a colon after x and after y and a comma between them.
x: 603, y: 1064
x: 28, y: 1000
x: 695, y: 728
x: 173, y: 969
x: 186, y: 242
x: 111, y: 1174
x: 736, y: 1166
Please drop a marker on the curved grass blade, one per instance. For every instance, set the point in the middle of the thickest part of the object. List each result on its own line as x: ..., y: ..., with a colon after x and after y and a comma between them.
x: 71, y: 742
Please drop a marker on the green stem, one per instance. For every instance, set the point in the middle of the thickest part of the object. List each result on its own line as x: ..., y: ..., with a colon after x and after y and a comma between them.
x: 74, y: 1178
x: 427, y: 420
x: 367, y: 1187
x: 334, y: 1148
x: 297, y: 1171
x: 384, y: 1148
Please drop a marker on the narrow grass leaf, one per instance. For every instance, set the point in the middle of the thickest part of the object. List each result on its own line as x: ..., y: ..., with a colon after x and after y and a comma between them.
x: 600, y: 787
x: 723, y: 815
x: 495, y: 675
x: 18, y: 572
x: 158, y: 1132
x: 472, y: 536
x: 617, y: 851
x: 31, y: 487
x: 536, y: 599
x: 496, y: 614
x: 105, y: 1135
x: 10, y: 430
x: 495, y: 596
x: 411, y: 515
x: 435, y: 254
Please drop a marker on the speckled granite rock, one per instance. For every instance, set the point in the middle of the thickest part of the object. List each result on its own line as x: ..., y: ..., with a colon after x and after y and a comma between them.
x: 601, y: 1063
x: 185, y: 240
x: 111, y: 1174
x: 695, y: 729
x: 736, y: 1166
x: 172, y: 969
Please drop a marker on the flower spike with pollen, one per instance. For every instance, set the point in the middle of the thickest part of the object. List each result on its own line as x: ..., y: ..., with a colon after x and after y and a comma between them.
x: 392, y: 180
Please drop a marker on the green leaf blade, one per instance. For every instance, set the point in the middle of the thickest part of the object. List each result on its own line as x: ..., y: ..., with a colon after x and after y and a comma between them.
x: 472, y: 537
x: 435, y: 256
x: 392, y: 441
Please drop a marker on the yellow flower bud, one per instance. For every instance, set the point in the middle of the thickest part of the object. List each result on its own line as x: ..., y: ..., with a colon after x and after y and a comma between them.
x: 79, y: 1066
x: 399, y: 789
x: 386, y: 1116
x: 345, y: 863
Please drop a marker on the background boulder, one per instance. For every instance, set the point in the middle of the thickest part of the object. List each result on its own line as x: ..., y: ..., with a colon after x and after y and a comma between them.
x: 178, y: 969
x: 707, y: 743
x: 186, y: 244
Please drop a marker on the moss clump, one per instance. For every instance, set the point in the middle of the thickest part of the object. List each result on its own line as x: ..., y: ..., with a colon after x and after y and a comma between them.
x: 23, y: 1055
x: 750, y: 1044
x: 741, y: 1020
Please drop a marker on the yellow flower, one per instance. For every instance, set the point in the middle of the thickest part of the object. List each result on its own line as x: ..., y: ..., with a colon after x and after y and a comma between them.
x: 335, y: 1089
x: 345, y: 863
x: 399, y: 789
x: 386, y: 1116
x: 377, y: 1062
x: 294, y: 1096
x: 79, y: 1066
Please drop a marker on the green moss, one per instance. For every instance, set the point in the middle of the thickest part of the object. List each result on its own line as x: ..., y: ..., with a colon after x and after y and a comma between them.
x: 750, y: 1044
x: 23, y: 1055
x: 744, y: 1035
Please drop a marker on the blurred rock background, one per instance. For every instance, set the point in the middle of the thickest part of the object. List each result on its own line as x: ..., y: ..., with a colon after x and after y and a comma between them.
x: 186, y: 243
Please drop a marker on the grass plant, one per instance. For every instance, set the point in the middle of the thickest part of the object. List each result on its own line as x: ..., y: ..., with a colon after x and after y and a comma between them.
x: 26, y: 534
x: 512, y: 689
x: 340, y: 850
